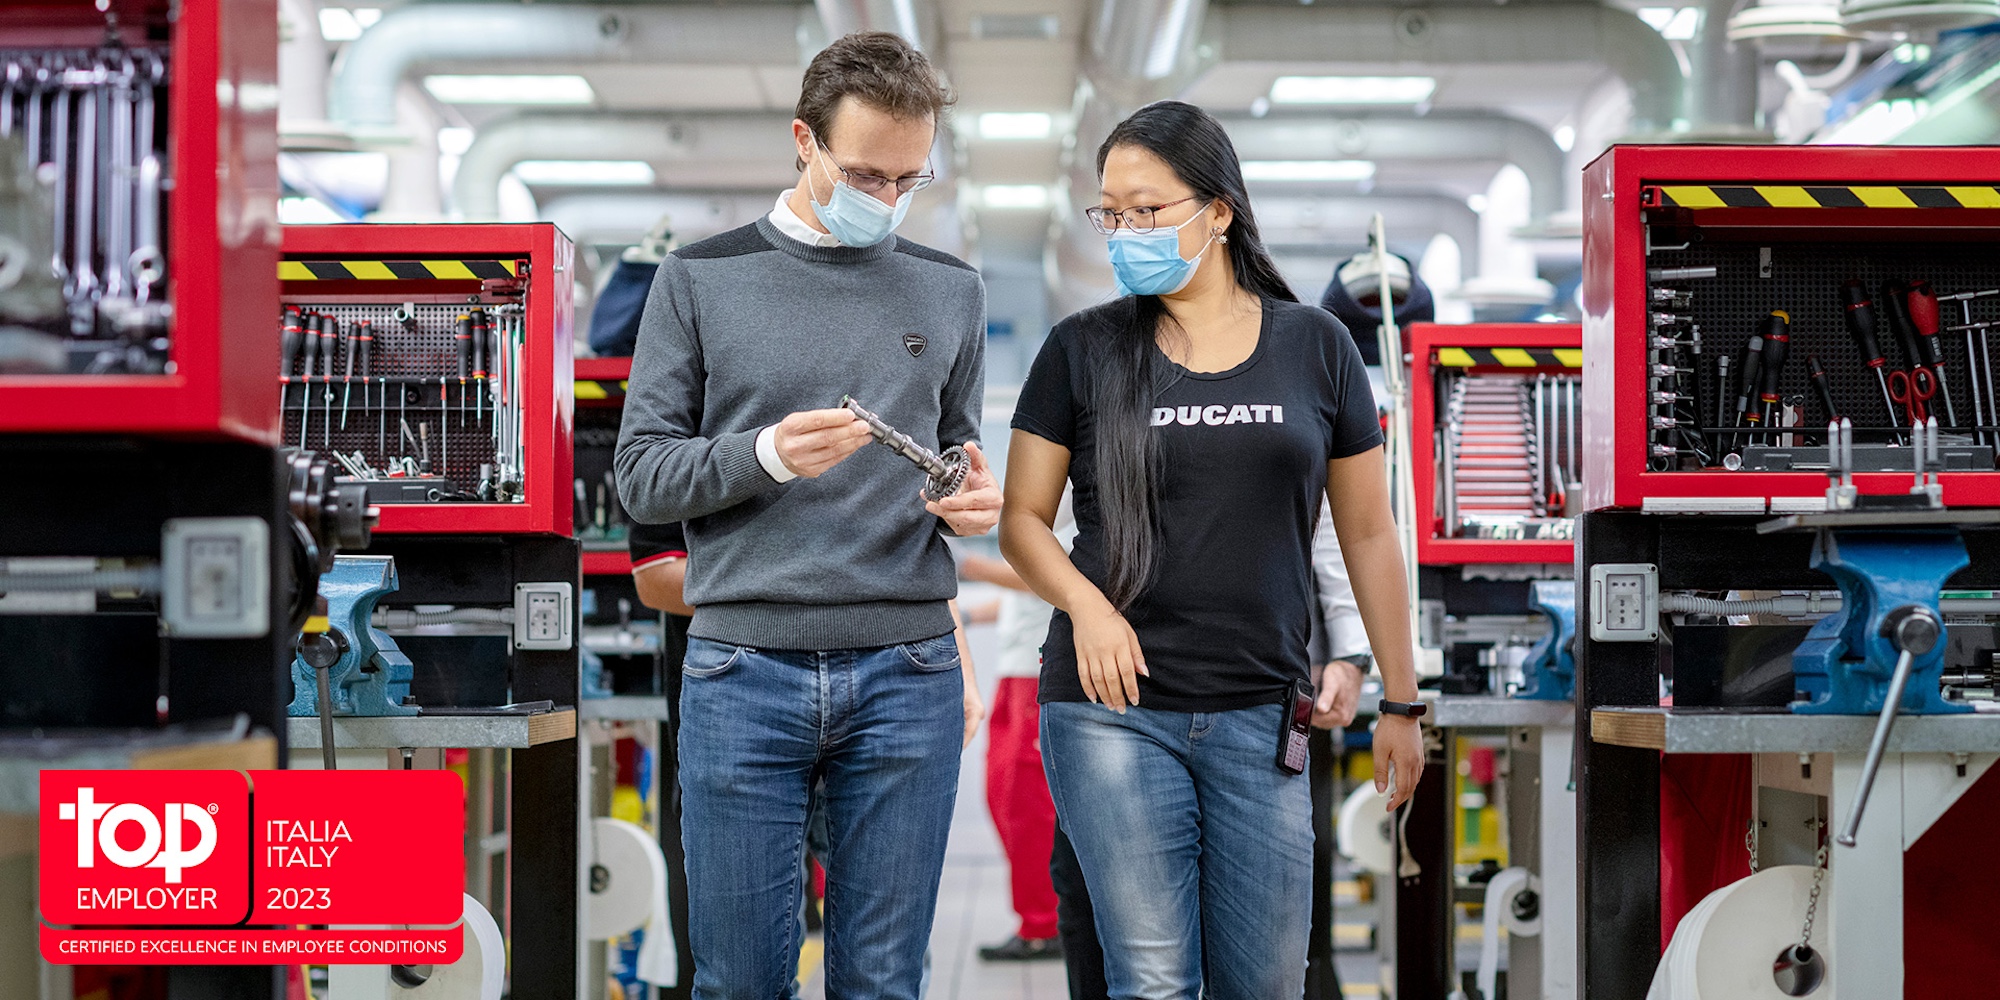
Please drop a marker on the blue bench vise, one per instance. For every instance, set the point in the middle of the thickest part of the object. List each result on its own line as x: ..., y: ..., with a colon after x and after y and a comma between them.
x: 1845, y: 664
x: 367, y: 674
x: 1550, y: 673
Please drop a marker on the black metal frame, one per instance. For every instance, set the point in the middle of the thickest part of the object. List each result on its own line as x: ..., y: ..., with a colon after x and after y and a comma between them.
x: 109, y: 496
x: 1618, y: 788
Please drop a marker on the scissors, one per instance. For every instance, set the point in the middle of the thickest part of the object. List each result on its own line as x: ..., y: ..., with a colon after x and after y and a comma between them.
x: 1914, y: 389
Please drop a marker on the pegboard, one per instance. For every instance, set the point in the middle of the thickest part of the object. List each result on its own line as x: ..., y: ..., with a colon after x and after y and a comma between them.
x: 1806, y: 279
x: 419, y: 361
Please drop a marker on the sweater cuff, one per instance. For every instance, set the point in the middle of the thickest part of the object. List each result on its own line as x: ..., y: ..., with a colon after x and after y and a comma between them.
x: 767, y: 455
x: 737, y: 455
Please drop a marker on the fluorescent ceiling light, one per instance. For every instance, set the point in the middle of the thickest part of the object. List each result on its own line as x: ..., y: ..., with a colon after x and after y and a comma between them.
x: 594, y: 173
x: 1015, y: 125
x: 1308, y: 170
x: 1014, y: 196
x: 454, y: 140
x: 338, y: 24
x: 557, y: 89
x: 1565, y: 137
x: 367, y: 16
x: 1675, y: 24
x: 1352, y: 89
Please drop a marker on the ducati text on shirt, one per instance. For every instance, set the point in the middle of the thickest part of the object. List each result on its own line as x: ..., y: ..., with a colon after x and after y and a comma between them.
x: 1217, y: 415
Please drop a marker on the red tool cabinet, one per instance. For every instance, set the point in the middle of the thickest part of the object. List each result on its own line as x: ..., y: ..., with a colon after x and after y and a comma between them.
x: 1505, y: 350
x: 1785, y: 226
x: 220, y: 226
x: 600, y: 397
x: 436, y: 271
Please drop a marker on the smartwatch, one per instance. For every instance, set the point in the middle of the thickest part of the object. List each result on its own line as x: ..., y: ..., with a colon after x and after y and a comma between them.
x: 1409, y: 709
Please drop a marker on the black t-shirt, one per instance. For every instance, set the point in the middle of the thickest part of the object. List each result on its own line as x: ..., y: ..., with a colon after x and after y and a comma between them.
x: 1226, y: 621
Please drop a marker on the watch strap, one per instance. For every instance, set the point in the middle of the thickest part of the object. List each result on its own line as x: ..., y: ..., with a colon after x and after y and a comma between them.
x: 1410, y: 709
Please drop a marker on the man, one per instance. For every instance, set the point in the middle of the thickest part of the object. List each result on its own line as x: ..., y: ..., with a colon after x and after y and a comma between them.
x: 822, y: 645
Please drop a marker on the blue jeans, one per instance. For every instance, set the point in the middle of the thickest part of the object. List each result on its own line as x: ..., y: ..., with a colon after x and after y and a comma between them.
x: 883, y: 728
x: 1197, y: 849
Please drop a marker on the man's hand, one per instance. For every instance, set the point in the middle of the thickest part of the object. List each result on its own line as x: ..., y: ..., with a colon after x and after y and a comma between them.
x: 1337, y: 688
x: 812, y: 441
x: 976, y: 508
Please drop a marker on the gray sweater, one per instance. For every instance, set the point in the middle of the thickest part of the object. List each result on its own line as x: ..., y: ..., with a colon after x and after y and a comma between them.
x: 745, y: 327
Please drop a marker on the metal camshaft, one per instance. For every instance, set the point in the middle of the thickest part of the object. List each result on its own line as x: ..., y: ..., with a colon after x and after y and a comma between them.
x: 947, y: 472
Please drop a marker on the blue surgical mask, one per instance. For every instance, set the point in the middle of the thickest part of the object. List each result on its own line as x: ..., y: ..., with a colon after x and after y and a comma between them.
x: 1150, y: 263
x: 856, y: 219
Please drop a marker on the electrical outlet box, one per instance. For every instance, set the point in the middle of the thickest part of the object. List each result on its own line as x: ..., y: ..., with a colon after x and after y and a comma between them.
x: 1624, y: 602
x: 544, y: 616
x: 215, y: 580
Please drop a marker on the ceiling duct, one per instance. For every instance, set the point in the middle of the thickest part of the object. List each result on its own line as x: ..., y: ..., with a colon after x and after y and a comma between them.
x: 1435, y: 136
x: 742, y: 151
x: 1788, y: 19
x: 903, y: 17
x: 1459, y: 36
x: 363, y: 90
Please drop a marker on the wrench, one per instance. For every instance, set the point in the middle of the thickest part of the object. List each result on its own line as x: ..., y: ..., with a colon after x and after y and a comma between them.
x: 118, y: 203
x: 81, y: 247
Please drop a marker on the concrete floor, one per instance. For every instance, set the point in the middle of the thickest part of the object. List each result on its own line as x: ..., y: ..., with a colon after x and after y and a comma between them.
x: 973, y: 906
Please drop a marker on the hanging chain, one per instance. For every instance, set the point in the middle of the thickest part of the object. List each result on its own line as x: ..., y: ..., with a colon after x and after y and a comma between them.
x: 1812, y: 902
x: 1750, y: 843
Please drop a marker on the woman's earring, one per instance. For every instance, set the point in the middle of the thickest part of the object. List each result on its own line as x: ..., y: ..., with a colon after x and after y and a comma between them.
x: 1220, y: 236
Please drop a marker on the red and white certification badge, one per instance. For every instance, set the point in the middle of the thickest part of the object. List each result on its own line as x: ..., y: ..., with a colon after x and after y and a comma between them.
x: 215, y: 867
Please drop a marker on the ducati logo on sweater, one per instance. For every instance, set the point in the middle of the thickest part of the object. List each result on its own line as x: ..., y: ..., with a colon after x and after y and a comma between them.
x: 1218, y: 415
x: 915, y: 343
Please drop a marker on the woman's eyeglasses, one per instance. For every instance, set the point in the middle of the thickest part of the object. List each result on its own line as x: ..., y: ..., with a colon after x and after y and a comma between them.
x: 1139, y: 218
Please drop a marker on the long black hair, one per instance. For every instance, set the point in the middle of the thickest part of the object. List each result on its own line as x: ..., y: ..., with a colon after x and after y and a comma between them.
x: 1129, y: 371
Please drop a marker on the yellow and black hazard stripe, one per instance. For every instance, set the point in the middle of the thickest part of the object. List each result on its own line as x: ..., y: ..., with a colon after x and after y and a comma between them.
x: 1510, y: 357
x: 1821, y: 196
x: 599, y: 389
x: 396, y: 270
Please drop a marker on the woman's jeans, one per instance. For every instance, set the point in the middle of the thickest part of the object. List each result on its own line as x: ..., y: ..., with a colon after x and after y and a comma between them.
x: 883, y: 728
x: 1196, y: 847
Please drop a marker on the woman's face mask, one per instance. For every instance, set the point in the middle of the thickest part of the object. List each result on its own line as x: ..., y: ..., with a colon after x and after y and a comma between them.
x: 854, y: 218
x: 1150, y: 263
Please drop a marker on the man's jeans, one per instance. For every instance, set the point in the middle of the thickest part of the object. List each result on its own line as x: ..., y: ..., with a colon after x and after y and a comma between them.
x: 883, y: 728
x: 1196, y: 847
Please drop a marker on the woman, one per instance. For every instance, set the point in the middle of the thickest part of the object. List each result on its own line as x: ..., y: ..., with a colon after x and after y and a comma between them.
x: 1200, y: 418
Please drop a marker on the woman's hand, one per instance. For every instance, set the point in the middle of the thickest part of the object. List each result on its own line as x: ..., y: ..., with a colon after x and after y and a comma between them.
x: 975, y: 709
x: 1399, y: 747
x: 1108, y: 659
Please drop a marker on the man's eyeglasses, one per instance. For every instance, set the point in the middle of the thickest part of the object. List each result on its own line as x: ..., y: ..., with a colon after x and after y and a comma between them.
x: 872, y: 183
x: 1138, y: 218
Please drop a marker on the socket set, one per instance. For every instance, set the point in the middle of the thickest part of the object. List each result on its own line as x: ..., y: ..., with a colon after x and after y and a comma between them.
x: 83, y: 172
x: 421, y: 402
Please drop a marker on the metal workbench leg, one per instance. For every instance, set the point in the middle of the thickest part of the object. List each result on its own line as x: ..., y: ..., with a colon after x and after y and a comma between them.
x: 1618, y: 788
x: 1424, y: 933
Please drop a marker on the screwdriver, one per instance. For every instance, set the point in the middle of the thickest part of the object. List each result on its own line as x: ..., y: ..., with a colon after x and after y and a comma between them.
x: 1822, y: 387
x: 1922, y: 305
x: 347, y: 380
x: 1746, y: 382
x: 1777, y: 335
x: 309, y: 345
x: 1860, y: 314
x: 480, y: 329
x: 290, y: 346
x: 464, y: 337
x: 328, y: 342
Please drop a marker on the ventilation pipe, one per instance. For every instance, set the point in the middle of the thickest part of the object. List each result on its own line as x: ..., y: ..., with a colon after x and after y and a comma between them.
x: 302, y: 68
x: 414, y: 192
x: 1442, y: 268
x: 1515, y: 34
x: 903, y: 17
x: 1507, y: 273
x: 364, y: 84
x: 1722, y: 79
x: 1433, y: 137
x: 712, y: 152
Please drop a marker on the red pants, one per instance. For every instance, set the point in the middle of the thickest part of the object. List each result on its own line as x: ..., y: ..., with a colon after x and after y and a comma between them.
x: 1017, y: 793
